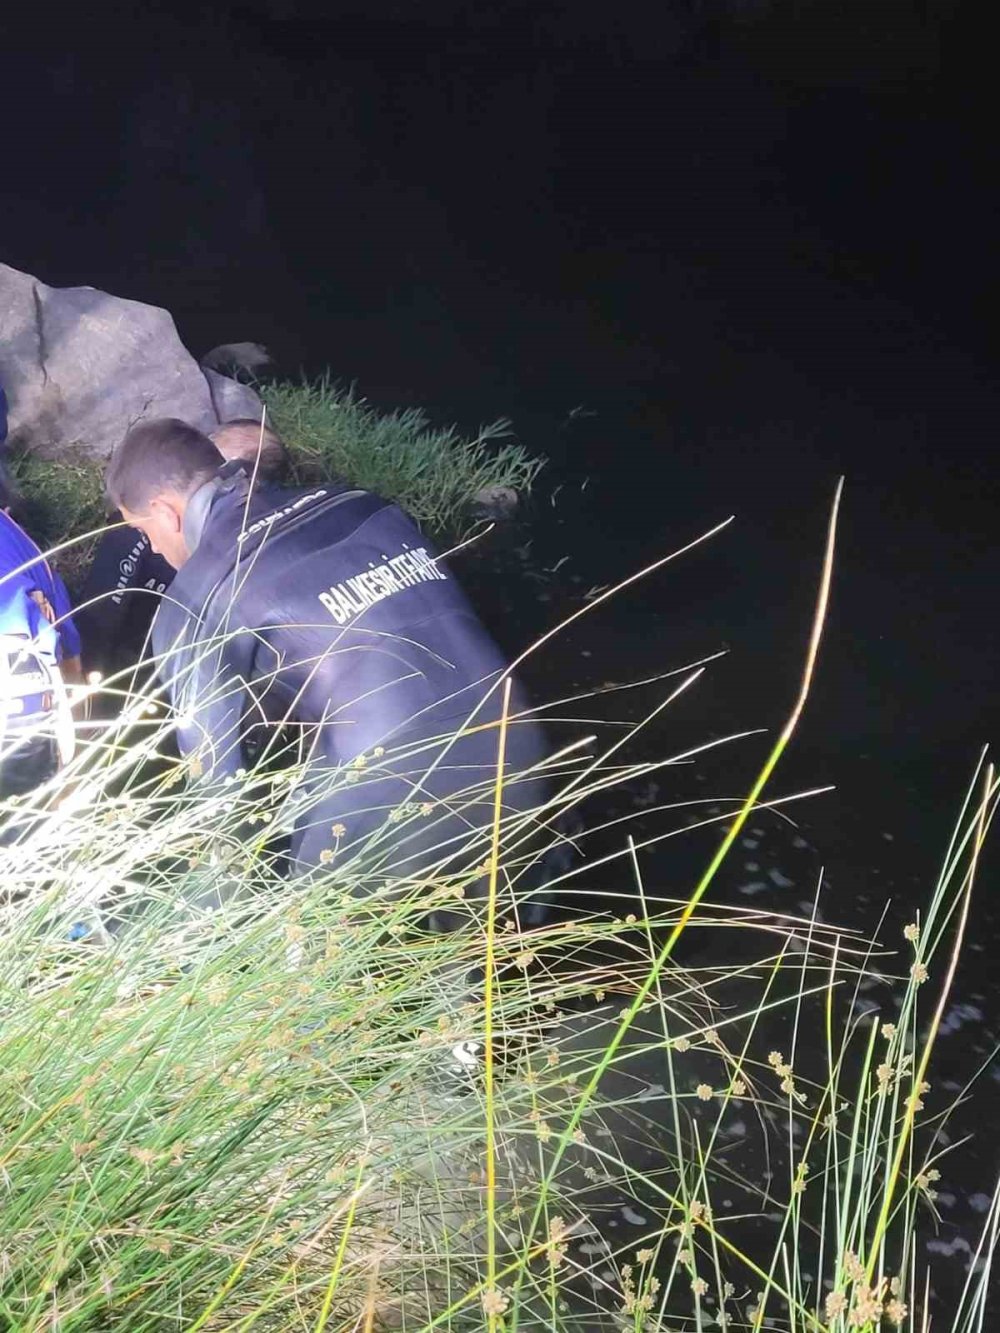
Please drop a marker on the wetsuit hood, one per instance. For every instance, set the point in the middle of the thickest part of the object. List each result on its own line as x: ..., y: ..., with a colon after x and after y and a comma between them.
x: 231, y: 479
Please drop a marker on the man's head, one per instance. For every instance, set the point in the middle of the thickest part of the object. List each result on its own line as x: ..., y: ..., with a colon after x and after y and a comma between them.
x: 263, y: 450
x: 152, y: 476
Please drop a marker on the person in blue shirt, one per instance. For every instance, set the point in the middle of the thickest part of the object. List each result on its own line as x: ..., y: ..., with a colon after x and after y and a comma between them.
x: 39, y: 652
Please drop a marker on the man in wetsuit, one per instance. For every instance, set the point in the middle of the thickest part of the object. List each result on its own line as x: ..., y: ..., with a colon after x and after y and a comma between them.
x: 127, y: 577
x: 329, y: 608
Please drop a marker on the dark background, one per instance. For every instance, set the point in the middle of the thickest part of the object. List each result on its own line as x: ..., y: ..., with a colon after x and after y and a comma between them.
x: 754, y: 241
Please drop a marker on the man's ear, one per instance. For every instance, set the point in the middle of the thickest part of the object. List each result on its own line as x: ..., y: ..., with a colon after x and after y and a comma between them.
x: 169, y: 511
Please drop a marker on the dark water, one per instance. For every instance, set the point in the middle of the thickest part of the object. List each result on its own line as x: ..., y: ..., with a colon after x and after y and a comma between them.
x: 753, y: 251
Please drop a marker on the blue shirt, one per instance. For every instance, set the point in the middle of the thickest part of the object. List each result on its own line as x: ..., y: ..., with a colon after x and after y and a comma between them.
x: 23, y: 571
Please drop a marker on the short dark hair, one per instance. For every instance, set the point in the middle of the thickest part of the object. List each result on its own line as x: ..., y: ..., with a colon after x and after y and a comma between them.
x: 243, y: 438
x: 157, y: 456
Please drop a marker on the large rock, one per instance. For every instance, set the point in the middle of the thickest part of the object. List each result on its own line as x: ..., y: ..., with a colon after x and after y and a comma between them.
x: 80, y: 367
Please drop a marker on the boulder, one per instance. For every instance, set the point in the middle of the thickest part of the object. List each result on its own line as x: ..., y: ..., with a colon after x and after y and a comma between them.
x: 230, y: 398
x: 80, y: 367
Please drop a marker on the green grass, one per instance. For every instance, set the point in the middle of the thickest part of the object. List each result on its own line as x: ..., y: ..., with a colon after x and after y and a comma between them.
x: 233, y: 1118
x: 61, y: 500
x: 435, y: 474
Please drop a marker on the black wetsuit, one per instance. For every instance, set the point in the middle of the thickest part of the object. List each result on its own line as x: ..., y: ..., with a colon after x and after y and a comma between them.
x: 329, y: 607
x: 119, y: 599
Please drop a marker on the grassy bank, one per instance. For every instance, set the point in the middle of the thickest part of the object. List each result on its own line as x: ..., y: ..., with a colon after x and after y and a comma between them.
x: 230, y: 1113
x: 434, y: 473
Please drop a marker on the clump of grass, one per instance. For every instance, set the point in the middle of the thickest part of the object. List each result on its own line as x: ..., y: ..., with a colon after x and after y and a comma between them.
x: 227, y: 1111
x: 235, y: 1113
x: 434, y: 473
x: 61, y: 499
